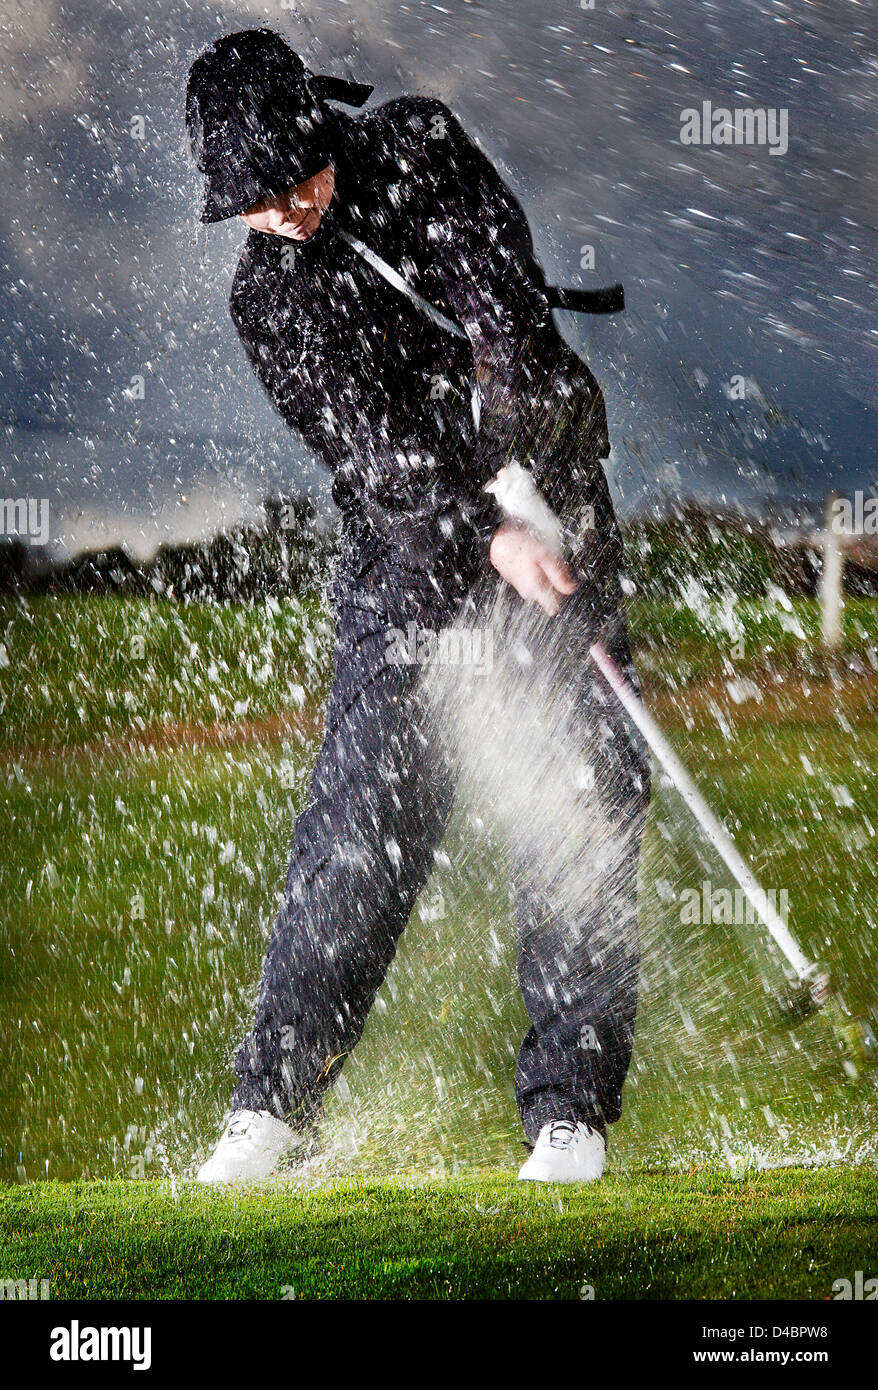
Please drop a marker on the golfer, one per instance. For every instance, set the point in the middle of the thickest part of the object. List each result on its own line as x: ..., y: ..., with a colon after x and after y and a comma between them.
x: 388, y: 298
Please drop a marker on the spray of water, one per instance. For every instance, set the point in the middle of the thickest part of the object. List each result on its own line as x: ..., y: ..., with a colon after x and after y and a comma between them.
x: 718, y: 1075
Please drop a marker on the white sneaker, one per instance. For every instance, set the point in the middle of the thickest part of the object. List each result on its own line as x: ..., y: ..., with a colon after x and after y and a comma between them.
x: 250, y: 1147
x: 565, y: 1152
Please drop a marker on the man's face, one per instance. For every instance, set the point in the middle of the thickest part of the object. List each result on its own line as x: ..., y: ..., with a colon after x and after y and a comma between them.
x: 296, y: 213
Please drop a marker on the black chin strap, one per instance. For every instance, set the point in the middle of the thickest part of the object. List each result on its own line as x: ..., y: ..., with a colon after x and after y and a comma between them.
x: 608, y: 301
x: 340, y: 89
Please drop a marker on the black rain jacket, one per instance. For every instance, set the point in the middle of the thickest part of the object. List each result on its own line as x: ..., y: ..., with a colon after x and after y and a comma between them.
x: 411, y: 420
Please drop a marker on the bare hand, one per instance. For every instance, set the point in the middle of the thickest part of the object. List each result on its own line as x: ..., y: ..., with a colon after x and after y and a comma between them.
x: 532, y: 569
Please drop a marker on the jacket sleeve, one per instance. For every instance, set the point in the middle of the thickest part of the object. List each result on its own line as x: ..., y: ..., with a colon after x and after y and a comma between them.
x: 538, y: 402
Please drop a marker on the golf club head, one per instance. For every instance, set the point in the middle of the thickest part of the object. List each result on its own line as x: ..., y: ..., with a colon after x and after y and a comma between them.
x: 854, y: 1037
x: 807, y: 994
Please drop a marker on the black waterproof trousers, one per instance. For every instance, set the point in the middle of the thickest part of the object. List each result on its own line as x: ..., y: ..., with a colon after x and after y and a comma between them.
x: 380, y: 797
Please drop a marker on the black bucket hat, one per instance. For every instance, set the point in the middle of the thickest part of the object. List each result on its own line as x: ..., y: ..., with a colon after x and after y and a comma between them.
x: 256, y: 119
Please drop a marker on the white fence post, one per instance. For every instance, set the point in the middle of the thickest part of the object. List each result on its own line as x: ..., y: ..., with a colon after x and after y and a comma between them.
x: 831, y: 578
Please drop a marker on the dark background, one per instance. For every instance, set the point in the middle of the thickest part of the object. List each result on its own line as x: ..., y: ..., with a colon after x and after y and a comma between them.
x: 735, y: 261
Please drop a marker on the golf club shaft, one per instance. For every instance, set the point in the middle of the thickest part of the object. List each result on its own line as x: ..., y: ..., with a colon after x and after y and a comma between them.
x: 519, y: 505
x: 806, y: 970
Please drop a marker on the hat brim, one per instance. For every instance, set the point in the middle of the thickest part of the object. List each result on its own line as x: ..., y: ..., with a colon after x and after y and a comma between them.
x: 218, y: 207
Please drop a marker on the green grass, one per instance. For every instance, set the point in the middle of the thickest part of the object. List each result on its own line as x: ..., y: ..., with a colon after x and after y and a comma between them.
x: 779, y: 1235
x: 78, y: 671
x: 678, y: 643
x: 75, y: 671
x: 139, y: 884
